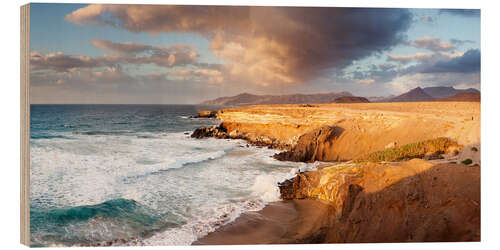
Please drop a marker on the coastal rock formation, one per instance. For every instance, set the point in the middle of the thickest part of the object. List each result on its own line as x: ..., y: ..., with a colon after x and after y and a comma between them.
x: 312, y: 146
x: 397, y: 202
x: 214, y: 131
x: 378, y: 195
x: 221, y: 132
x: 350, y: 99
x: 361, y: 128
x: 206, y: 114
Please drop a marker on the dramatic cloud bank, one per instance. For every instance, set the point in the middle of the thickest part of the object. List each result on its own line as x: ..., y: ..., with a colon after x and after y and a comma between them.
x: 265, y: 45
x: 262, y: 50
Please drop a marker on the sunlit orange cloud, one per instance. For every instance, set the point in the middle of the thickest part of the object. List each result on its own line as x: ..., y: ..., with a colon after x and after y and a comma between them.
x: 265, y: 45
x: 424, y: 57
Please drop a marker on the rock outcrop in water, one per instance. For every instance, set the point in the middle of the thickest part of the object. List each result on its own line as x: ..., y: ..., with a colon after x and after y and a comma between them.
x: 214, y: 131
x: 221, y: 132
x: 206, y: 114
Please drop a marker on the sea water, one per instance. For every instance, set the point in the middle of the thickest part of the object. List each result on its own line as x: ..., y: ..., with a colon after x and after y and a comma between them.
x: 100, y: 173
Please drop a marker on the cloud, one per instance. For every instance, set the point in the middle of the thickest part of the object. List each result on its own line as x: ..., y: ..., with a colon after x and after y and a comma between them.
x: 422, y: 57
x: 469, y: 62
x: 433, y: 44
x: 126, y: 53
x: 62, y: 62
x: 116, y: 85
x: 387, y: 66
x: 437, y: 69
x: 125, y: 48
x: 266, y: 45
x: 459, y: 42
x: 408, y: 58
x: 366, y: 81
x: 82, y: 76
x: 164, y: 56
x: 427, y: 19
x: 206, y: 75
x: 462, y: 12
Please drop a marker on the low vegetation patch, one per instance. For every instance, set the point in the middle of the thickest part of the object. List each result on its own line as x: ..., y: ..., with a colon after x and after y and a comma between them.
x: 467, y: 161
x: 421, y: 149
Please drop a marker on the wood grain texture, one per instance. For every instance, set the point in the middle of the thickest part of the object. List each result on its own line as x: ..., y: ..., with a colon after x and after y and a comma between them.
x: 25, y: 125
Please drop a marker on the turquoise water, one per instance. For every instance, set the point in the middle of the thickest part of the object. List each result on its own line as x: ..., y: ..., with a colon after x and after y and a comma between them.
x: 132, y: 172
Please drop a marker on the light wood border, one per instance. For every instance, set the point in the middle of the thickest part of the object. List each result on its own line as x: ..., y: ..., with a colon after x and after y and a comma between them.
x: 25, y: 125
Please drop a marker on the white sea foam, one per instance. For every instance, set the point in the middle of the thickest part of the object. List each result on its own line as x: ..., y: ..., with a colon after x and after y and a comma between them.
x: 203, y: 184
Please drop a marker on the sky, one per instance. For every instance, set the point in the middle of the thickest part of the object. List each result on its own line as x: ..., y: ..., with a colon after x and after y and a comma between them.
x: 168, y: 54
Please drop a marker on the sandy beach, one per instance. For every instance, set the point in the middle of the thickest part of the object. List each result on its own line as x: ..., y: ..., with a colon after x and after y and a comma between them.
x: 290, y: 221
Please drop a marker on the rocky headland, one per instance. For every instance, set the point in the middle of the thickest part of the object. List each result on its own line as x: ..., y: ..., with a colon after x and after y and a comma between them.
x: 400, y: 172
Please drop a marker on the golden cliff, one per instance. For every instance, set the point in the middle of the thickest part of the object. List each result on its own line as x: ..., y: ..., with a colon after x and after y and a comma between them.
x: 376, y: 191
x: 354, y: 129
x: 411, y: 201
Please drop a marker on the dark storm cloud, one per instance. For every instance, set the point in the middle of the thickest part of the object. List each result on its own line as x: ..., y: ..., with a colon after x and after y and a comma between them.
x: 468, y: 63
x: 266, y: 44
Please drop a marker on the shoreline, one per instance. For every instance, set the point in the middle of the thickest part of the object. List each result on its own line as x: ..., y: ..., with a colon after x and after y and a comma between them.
x: 281, y: 222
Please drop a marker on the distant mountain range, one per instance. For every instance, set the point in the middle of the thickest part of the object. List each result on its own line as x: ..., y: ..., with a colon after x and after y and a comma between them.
x: 415, y: 95
x: 250, y: 99
x: 445, y: 92
x: 426, y: 94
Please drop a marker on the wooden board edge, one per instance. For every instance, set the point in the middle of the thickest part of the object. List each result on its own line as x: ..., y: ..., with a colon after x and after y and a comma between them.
x: 25, y: 125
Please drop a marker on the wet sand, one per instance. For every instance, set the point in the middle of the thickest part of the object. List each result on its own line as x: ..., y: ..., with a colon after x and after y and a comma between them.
x: 292, y: 221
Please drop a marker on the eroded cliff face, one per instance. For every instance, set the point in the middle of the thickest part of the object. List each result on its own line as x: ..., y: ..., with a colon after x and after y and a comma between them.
x: 398, y: 202
x: 341, y: 132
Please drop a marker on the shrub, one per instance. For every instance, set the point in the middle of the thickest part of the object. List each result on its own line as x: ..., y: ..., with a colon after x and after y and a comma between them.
x: 467, y: 161
x: 409, y: 151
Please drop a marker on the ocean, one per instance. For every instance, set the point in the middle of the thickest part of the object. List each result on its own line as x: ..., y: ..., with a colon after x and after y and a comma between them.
x: 132, y: 173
